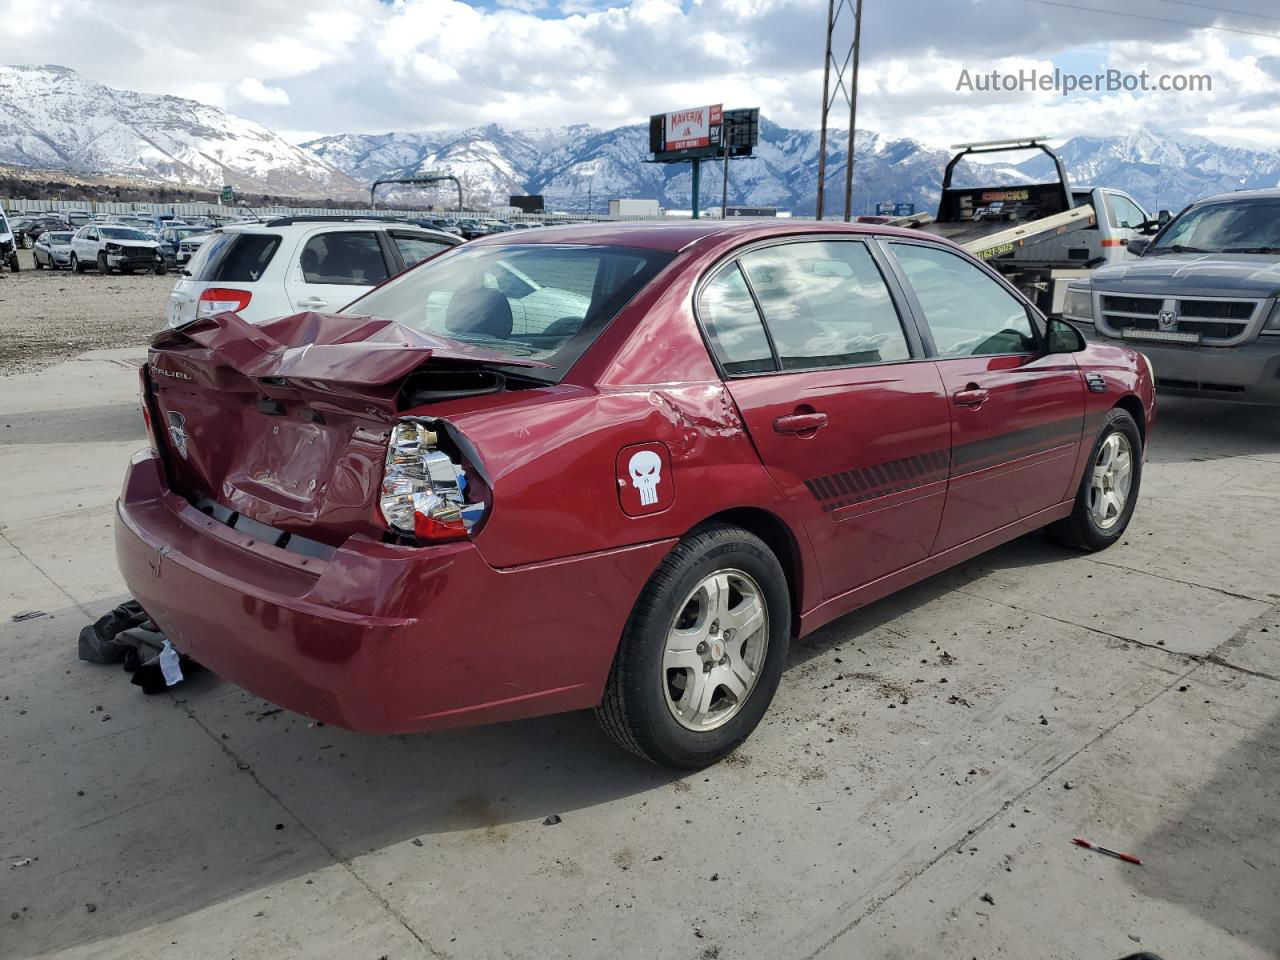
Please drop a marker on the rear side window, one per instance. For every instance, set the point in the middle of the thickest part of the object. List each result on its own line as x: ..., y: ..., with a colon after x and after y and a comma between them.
x: 234, y: 257
x: 733, y: 325
x: 347, y: 257
x: 826, y: 304
x: 968, y: 312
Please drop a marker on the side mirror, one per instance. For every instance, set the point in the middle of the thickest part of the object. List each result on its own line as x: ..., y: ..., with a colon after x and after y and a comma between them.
x: 1062, y: 337
x: 1138, y: 245
x: 1163, y: 217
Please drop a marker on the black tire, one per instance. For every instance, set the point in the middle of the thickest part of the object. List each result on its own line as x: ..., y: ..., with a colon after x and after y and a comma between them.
x: 1080, y: 529
x: 102, y: 264
x: 161, y: 269
x: 76, y: 265
x: 39, y: 265
x: 14, y: 264
x: 634, y: 712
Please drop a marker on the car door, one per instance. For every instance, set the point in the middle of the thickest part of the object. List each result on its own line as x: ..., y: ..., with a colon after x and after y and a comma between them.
x: 1016, y: 412
x: 85, y: 245
x: 334, y: 267
x: 848, y: 418
x: 1126, y: 219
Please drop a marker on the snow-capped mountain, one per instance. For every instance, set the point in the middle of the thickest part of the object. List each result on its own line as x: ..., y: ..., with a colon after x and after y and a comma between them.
x: 53, y: 117
x: 1162, y: 171
x: 577, y: 166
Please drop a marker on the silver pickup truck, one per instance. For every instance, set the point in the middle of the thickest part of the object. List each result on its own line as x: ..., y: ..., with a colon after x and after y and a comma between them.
x: 1200, y: 300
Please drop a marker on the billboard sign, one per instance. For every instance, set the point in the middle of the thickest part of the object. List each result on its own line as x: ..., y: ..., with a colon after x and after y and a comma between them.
x: 687, y: 129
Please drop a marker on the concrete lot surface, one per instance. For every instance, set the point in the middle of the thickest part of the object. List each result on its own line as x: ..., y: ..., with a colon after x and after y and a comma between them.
x: 912, y: 793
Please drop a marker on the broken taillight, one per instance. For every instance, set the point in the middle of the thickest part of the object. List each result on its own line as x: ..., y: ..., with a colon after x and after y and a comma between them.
x: 221, y: 300
x: 143, y: 390
x: 424, y: 490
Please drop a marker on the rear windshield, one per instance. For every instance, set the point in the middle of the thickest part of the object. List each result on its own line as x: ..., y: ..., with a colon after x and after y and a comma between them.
x: 538, y: 302
x: 234, y: 257
x: 58, y: 237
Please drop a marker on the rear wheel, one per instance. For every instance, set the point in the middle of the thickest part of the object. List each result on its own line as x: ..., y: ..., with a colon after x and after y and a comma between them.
x: 703, y: 651
x: 1109, y: 489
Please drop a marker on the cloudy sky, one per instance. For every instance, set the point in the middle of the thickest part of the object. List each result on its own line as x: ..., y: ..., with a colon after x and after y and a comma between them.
x: 331, y: 66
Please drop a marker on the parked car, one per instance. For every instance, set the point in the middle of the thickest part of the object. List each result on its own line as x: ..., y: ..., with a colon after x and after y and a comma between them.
x: 110, y: 247
x: 422, y: 512
x: 27, y: 229
x: 439, y: 223
x: 1202, y: 300
x: 471, y: 229
x: 271, y: 269
x: 53, y: 249
x: 77, y: 218
x: 8, y: 246
x: 179, y: 243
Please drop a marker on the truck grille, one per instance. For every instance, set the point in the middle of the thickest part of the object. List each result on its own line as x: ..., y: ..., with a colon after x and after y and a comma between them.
x: 139, y: 253
x: 1220, y: 323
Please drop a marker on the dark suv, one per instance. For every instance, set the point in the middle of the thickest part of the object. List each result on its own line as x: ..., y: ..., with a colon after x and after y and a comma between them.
x: 1201, y: 301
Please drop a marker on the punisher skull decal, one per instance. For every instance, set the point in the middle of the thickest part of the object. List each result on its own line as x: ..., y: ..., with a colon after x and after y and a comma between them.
x: 645, y: 483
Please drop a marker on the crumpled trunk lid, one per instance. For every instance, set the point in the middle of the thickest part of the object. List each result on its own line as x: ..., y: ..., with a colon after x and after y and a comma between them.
x: 287, y: 422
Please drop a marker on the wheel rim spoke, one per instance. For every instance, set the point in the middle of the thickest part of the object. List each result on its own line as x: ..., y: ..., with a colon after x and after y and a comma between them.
x: 715, y: 649
x: 1111, y: 480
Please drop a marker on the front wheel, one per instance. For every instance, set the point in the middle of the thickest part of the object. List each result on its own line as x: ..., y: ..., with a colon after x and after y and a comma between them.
x: 102, y: 264
x: 703, y: 651
x: 161, y: 269
x: 1109, y: 489
x: 38, y: 262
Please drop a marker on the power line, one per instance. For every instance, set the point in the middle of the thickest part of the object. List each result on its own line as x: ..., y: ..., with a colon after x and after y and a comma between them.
x: 1139, y: 16
x: 1206, y: 6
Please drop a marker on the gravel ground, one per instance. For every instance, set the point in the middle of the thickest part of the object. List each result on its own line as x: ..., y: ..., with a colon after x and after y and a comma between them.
x: 46, y: 317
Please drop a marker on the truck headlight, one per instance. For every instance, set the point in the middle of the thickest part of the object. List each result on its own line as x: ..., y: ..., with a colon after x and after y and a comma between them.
x: 1078, y: 304
x: 1272, y: 325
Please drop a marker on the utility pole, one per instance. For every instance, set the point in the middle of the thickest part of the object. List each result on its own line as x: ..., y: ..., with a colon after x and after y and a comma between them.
x: 844, y: 60
x: 697, y: 182
x: 726, y: 126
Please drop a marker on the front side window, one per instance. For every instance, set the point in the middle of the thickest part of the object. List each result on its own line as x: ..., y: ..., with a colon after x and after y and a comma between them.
x: 968, y: 312
x: 540, y: 302
x: 415, y: 249
x: 1125, y: 213
x: 351, y: 257
x: 826, y: 304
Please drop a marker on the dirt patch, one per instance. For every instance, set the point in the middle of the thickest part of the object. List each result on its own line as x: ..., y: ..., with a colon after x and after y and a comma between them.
x: 48, y: 316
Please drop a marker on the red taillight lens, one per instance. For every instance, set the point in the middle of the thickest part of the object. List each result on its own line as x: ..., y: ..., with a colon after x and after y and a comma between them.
x: 143, y: 389
x: 222, y: 299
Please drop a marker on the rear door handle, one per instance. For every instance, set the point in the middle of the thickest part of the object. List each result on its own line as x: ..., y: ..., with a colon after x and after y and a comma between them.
x: 800, y: 422
x: 971, y: 396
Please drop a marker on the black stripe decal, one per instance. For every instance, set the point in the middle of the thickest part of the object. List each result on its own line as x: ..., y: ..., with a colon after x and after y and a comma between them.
x: 894, y: 476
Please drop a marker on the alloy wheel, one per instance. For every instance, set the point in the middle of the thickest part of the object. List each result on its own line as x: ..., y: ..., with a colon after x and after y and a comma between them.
x: 715, y: 650
x: 1111, y: 481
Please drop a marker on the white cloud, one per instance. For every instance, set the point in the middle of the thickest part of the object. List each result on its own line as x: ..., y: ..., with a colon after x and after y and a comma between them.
x: 255, y: 91
x: 371, y: 66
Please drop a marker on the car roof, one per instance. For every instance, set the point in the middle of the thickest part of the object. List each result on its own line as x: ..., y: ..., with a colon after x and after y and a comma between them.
x: 1266, y: 193
x: 673, y: 237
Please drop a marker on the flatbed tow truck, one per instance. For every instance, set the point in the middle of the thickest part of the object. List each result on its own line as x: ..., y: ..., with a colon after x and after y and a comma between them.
x: 1041, y: 236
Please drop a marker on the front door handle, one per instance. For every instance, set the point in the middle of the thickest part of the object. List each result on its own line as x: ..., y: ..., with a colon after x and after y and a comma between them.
x: 971, y: 396
x: 800, y: 422
x: 312, y: 302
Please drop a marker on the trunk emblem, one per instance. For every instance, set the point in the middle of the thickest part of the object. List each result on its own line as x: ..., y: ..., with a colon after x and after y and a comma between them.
x: 178, y: 432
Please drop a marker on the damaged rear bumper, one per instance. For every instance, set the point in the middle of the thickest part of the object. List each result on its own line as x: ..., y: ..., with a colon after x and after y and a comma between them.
x: 376, y: 637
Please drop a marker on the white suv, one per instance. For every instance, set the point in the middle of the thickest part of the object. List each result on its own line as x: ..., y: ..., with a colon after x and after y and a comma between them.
x: 280, y: 267
x: 107, y: 246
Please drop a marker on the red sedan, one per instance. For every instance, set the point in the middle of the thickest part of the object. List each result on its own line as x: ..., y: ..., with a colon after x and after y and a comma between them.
x: 615, y: 466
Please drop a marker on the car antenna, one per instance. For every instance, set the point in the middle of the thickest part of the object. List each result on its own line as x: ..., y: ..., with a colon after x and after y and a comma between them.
x: 244, y: 206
